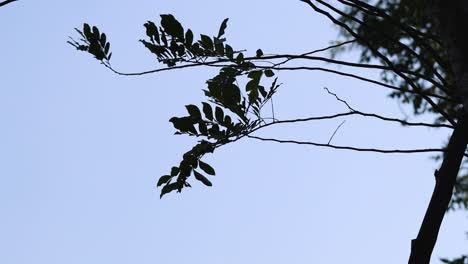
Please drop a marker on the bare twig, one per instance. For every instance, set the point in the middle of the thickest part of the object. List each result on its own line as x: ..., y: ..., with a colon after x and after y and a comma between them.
x: 336, y: 130
x: 318, y: 50
x: 339, y: 99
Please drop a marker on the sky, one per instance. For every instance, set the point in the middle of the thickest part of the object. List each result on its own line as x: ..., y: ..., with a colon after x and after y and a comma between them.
x: 81, y: 149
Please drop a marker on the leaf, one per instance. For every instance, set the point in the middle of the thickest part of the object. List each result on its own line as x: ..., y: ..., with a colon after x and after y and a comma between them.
x: 228, y: 121
x: 106, y: 48
x: 206, y: 42
x: 183, y: 124
x: 175, y: 171
x: 251, y: 85
x: 259, y: 53
x: 219, y: 114
x: 206, y: 168
x: 163, y: 179
x: 95, y: 33
x: 202, y: 178
x: 172, y: 26
x: 156, y: 49
x: 152, y: 31
x: 169, y: 188
x: 219, y: 47
x: 189, y: 38
x: 193, y: 111
x: 203, y: 128
x: 231, y: 95
x: 262, y: 91
x: 222, y: 28
x: 229, y: 52
x: 208, y: 111
x: 87, y: 30
x: 240, y: 58
x: 255, y: 75
x: 164, y: 38
x: 269, y: 73
x: 103, y: 39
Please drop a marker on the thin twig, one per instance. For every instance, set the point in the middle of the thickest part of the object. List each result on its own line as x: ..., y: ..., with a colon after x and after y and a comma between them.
x: 339, y: 99
x: 318, y: 50
x: 336, y: 130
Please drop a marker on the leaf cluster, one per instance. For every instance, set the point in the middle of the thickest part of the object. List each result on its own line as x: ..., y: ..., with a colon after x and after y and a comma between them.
x: 92, y: 42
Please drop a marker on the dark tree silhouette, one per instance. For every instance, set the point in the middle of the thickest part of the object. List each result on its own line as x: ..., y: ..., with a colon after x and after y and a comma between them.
x: 420, y: 66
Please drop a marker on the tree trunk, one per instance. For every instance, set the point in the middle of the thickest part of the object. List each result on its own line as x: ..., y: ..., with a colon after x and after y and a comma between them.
x: 422, y: 246
x: 452, y: 20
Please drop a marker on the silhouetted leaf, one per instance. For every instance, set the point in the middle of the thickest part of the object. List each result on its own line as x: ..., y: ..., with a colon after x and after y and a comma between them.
x: 193, y: 111
x: 255, y: 75
x: 184, y: 124
x: 189, y: 38
x: 172, y: 26
x: 208, y: 111
x: 169, y: 188
x: 251, y: 85
x: 87, y: 30
x: 206, y: 42
x: 164, y: 38
x: 206, y: 168
x: 269, y: 73
x: 95, y: 33
x: 103, y: 39
x: 228, y: 121
x: 219, y: 114
x: 202, y: 178
x: 219, y: 47
x: 175, y: 171
x: 152, y: 31
x: 259, y: 53
x: 222, y: 28
x: 229, y: 52
x: 202, y: 128
x: 240, y: 58
x: 163, y: 179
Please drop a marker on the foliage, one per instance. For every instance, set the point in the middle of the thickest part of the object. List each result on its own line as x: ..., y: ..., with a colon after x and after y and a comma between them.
x: 428, y: 58
x: 398, y: 34
x: 230, y: 112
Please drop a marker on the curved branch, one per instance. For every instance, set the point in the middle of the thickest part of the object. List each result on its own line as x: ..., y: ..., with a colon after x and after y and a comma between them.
x: 385, y: 151
x: 218, y: 64
x: 389, y: 119
x: 7, y: 2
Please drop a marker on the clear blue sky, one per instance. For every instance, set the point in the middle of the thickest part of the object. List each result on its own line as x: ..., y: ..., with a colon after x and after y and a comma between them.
x: 81, y: 150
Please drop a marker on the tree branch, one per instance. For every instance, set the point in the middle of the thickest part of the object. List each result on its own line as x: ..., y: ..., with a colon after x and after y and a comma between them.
x: 381, y: 56
x: 395, y: 120
x: 386, y: 36
x: 385, y: 151
x: 218, y: 64
x: 7, y: 2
